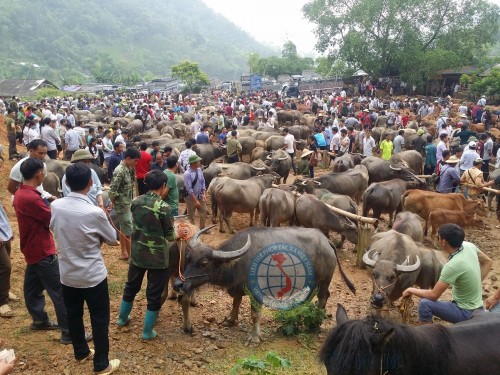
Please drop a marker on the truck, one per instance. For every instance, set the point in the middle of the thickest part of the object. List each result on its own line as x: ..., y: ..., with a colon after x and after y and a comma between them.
x: 298, y: 87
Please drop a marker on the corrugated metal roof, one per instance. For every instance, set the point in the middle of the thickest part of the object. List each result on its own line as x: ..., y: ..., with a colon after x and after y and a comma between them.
x: 23, y: 87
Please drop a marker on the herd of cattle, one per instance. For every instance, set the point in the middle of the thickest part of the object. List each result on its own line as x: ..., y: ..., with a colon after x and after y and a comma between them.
x: 397, y: 258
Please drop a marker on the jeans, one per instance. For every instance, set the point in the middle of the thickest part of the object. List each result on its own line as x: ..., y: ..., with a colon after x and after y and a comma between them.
x: 496, y: 308
x: 447, y: 311
x: 97, y: 299
x: 5, y: 270
x: 41, y: 276
x: 233, y: 159
x: 157, y: 279
x: 292, y: 155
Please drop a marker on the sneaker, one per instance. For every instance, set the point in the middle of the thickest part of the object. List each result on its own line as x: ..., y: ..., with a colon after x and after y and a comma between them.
x: 6, y: 312
x: 66, y: 339
x: 44, y: 326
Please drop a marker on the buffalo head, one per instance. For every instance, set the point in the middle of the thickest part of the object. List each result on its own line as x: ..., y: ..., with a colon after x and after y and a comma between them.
x: 203, y: 263
x: 385, y: 275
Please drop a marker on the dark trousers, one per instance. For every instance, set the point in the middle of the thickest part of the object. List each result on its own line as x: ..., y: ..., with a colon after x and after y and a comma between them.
x: 292, y: 155
x: 233, y: 159
x: 5, y: 269
x: 157, y: 280
x: 41, y: 276
x: 52, y: 154
x: 12, y: 144
x: 485, y: 168
x: 68, y: 154
x: 311, y: 171
x: 143, y: 189
x: 428, y: 170
x: 97, y: 299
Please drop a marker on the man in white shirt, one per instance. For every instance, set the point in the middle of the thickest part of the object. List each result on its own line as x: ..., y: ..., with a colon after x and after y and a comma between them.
x: 335, y: 142
x: 289, y: 147
x: 468, y: 157
x: 72, y: 141
x: 81, y: 266
x: 368, y: 143
x: 184, y: 156
x: 463, y: 109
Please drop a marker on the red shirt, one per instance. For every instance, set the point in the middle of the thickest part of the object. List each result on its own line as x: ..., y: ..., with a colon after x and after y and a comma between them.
x: 33, y: 217
x: 143, y: 164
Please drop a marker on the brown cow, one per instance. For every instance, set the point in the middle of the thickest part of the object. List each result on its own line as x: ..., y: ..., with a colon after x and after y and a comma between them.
x: 440, y: 216
x: 422, y: 202
x: 478, y: 128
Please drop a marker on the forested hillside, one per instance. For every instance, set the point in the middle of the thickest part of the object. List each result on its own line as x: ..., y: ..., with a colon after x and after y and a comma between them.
x: 118, y: 40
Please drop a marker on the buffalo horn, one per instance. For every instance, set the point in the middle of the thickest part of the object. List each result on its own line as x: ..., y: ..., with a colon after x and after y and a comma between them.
x: 394, y: 168
x: 269, y: 157
x: 317, y: 182
x: 258, y: 168
x: 367, y: 258
x: 411, y: 268
x: 196, y: 237
x: 227, y: 255
x: 285, y: 158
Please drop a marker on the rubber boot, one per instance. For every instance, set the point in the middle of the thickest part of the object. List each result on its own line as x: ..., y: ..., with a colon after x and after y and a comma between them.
x: 148, y: 332
x: 124, y: 317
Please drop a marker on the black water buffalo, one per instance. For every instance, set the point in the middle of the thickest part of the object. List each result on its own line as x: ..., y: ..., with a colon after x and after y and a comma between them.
x: 345, y: 162
x: 209, y: 152
x: 398, y: 263
x: 277, y: 206
x: 352, y: 183
x: 248, y: 144
x: 258, y: 153
x: 52, y: 184
x: 275, y: 142
x: 409, y: 223
x: 281, y: 162
x: 310, y: 212
x: 59, y: 168
x: 229, y: 195
x: 387, y: 347
x: 228, y: 265
x: 238, y: 171
x: 385, y: 197
x: 385, y: 170
x: 411, y: 158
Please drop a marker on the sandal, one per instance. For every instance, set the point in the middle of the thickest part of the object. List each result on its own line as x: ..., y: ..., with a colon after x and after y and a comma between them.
x: 113, y: 366
x: 89, y: 356
x: 6, y: 312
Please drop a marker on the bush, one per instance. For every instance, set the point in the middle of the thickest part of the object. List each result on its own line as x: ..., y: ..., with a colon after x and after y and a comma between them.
x: 49, y: 92
x: 254, y: 365
x: 303, y: 318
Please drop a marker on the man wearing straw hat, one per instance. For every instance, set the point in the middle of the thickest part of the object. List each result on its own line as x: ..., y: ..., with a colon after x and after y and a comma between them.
x: 448, y: 176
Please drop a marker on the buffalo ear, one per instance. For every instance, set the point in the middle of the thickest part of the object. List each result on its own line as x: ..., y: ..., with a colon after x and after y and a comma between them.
x: 341, y: 315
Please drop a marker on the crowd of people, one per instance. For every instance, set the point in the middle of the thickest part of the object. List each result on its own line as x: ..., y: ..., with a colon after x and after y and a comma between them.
x: 76, y: 273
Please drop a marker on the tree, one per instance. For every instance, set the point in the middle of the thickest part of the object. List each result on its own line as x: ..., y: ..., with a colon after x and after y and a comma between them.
x: 489, y: 85
x: 289, y: 51
x: 409, y: 38
x: 253, y: 62
x: 189, y: 73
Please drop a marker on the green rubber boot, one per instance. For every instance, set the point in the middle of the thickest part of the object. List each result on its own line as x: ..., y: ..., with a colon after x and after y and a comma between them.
x: 148, y: 332
x: 124, y: 317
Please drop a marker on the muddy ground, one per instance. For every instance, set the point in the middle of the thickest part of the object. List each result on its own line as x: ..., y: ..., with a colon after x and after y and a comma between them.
x: 213, y: 348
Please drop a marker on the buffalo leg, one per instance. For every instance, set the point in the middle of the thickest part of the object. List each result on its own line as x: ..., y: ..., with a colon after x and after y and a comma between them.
x: 233, y: 316
x: 227, y: 219
x: 323, y: 295
x: 256, y: 317
x: 186, y: 324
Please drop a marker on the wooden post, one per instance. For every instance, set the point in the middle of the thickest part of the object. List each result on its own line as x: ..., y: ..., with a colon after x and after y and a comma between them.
x: 364, y: 238
x: 494, y: 191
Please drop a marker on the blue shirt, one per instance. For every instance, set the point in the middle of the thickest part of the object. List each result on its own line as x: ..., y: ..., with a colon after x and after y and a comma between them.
x: 113, y: 162
x: 320, y: 139
x: 5, y: 229
x: 430, y: 155
x: 222, y: 138
x: 189, y: 177
x: 202, y: 138
x: 448, y: 175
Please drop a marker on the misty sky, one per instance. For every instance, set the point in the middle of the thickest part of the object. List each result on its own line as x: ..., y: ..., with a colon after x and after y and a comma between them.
x: 272, y: 21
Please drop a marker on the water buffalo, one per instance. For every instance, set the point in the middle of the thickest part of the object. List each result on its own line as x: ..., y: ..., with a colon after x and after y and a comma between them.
x: 409, y: 223
x: 310, y: 212
x: 385, y: 197
x: 412, y: 158
x: 285, y: 116
x: 238, y: 171
x: 58, y: 167
x: 275, y: 142
x: 385, y: 170
x: 494, y: 174
x: 248, y: 144
x: 52, y: 184
x: 387, y: 347
x: 258, y: 153
x: 422, y: 202
x: 228, y: 265
x: 352, y: 183
x: 229, y: 195
x: 277, y: 206
x: 398, y: 263
x: 135, y: 127
x: 281, y: 162
x: 209, y: 152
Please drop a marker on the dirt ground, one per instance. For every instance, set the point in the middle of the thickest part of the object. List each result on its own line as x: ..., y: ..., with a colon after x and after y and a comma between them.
x: 212, y: 349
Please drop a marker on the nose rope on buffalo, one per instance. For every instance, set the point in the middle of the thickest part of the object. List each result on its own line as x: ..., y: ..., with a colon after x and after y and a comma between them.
x: 184, y: 233
x: 404, y: 307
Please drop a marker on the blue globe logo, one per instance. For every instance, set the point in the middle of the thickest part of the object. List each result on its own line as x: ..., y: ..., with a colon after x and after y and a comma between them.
x: 281, y: 276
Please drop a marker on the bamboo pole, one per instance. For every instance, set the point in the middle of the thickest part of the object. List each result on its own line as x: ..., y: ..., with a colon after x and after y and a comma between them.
x: 494, y: 191
x: 358, y: 218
